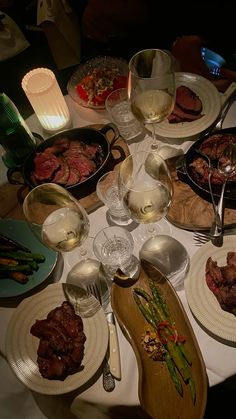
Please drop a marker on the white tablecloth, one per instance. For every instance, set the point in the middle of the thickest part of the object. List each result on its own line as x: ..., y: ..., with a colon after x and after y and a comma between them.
x: 17, y: 401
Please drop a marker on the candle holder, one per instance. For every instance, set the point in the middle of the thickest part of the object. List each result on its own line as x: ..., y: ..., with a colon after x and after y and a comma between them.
x: 43, y: 91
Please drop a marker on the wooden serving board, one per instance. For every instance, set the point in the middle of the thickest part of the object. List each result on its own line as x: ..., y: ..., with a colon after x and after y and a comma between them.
x: 157, y: 393
x: 190, y: 211
x: 11, y: 196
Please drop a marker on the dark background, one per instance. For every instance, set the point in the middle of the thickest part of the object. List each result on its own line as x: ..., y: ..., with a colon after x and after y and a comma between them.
x: 163, y: 24
x: 212, y: 20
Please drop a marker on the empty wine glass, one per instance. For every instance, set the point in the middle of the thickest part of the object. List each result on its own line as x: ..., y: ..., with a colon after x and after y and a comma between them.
x: 151, y: 87
x: 56, y: 218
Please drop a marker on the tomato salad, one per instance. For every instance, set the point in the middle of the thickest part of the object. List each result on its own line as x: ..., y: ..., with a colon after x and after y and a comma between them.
x: 97, y: 85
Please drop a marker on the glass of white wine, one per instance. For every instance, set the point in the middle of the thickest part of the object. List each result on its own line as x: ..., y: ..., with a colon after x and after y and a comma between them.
x: 56, y: 218
x: 145, y: 188
x: 151, y: 87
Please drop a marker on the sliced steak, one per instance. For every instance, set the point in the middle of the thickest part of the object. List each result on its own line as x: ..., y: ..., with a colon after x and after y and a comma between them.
x: 179, y: 115
x: 188, y: 101
x: 74, y: 177
x: 45, y: 166
x: 188, y: 106
x: 62, y: 175
x: 59, y: 146
x: 82, y: 164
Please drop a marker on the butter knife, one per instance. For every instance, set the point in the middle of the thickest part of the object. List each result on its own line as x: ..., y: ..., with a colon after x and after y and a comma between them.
x: 113, y: 354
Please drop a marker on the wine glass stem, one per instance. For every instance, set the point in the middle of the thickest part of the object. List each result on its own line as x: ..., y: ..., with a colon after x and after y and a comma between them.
x: 155, y: 144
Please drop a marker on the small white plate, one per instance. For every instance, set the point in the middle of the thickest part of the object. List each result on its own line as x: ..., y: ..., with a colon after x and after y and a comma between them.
x: 21, y: 345
x: 201, y: 299
x: 211, y: 106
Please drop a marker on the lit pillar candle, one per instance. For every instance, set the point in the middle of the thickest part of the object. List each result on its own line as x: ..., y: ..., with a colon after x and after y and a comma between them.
x: 43, y: 91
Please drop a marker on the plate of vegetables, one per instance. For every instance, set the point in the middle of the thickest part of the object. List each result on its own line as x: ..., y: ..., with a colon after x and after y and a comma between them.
x: 172, y: 375
x: 95, y: 79
x: 24, y: 261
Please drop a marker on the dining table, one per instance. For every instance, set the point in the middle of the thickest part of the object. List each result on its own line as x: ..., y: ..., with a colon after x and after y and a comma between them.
x: 92, y: 401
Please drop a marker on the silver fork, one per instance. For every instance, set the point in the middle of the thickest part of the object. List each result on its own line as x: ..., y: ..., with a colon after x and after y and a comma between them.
x: 201, y: 238
x: 108, y: 379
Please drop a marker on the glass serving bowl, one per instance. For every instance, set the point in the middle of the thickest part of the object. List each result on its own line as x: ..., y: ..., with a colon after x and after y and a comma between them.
x: 95, y: 79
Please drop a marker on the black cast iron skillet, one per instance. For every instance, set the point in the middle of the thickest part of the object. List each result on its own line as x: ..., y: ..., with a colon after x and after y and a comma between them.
x: 185, y: 173
x: 88, y: 135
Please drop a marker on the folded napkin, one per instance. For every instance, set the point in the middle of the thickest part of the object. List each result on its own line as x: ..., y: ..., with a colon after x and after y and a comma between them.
x: 187, y: 52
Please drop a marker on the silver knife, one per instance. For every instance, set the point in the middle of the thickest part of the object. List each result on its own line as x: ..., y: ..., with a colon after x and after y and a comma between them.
x: 113, y: 350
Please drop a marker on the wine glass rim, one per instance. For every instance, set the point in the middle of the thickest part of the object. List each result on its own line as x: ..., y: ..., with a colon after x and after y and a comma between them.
x: 132, y: 59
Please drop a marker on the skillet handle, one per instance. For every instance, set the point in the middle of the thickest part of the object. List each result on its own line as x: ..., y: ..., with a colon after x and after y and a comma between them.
x: 12, y: 179
x: 181, y: 168
x: 111, y: 127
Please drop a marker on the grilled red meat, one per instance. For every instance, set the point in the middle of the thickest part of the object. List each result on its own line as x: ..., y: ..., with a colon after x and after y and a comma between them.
x: 45, y: 166
x: 222, y: 282
x: 63, y: 173
x: 213, y: 147
x: 61, y: 347
x: 188, y: 101
x: 188, y: 106
x: 66, y: 162
x: 82, y: 164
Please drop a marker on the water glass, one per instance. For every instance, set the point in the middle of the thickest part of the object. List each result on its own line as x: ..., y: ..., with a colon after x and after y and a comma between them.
x: 113, y: 246
x: 107, y: 192
x: 118, y: 108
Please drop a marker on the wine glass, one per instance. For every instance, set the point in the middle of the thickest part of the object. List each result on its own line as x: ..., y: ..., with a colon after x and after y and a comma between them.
x: 145, y: 186
x: 56, y: 218
x: 151, y: 87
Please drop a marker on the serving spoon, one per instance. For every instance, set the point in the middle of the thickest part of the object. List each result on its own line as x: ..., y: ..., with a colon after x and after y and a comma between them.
x: 227, y: 167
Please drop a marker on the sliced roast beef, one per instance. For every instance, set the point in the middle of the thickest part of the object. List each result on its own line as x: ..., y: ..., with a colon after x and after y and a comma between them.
x: 91, y: 151
x: 188, y: 106
x: 66, y: 162
x: 74, y: 177
x: 179, y: 115
x: 62, y: 174
x: 60, y: 145
x: 45, y: 166
x: 188, y: 101
x: 82, y: 164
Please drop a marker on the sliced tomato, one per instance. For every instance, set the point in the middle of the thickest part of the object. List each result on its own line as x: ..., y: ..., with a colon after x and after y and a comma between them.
x: 84, y: 86
x: 81, y: 92
x: 119, y: 82
x: 100, y: 99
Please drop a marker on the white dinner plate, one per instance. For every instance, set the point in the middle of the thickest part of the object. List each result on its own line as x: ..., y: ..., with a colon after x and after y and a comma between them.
x: 201, y: 299
x: 21, y: 345
x: 211, y: 106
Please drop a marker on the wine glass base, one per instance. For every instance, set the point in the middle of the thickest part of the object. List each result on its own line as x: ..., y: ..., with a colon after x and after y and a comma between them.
x: 82, y: 252
x: 146, y: 231
x: 169, y: 256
